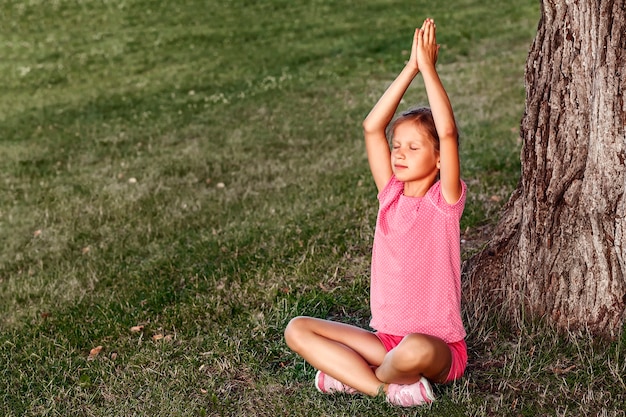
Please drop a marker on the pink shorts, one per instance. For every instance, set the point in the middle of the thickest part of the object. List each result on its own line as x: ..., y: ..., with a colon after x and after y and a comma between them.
x: 457, y: 349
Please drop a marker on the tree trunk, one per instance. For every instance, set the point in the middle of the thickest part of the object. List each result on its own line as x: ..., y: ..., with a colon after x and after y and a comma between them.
x: 559, y: 250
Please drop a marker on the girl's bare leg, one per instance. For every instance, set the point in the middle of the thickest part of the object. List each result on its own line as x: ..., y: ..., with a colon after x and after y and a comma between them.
x: 416, y: 356
x: 346, y: 353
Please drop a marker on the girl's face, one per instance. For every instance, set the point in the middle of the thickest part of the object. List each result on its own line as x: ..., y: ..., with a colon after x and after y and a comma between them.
x: 413, y: 154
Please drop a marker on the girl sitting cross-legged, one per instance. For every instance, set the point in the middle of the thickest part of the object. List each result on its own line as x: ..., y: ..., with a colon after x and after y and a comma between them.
x: 415, y: 292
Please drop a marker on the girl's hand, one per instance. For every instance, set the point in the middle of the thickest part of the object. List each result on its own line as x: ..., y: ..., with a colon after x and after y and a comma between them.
x: 412, y: 63
x: 427, y: 48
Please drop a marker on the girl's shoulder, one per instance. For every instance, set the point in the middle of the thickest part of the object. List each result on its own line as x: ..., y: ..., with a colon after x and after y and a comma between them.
x: 435, y: 195
x: 393, y: 188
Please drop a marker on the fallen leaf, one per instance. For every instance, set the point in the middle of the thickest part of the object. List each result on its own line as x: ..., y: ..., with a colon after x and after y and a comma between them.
x: 132, y: 180
x: 136, y: 329
x: 220, y: 185
x: 86, y: 250
x: 94, y: 352
x: 37, y: 233
x: 495, y: 198
x: 562, y: 371
x: 157, y: 337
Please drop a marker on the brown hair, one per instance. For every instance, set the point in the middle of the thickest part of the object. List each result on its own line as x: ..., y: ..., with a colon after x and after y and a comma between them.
x: 423, y: 118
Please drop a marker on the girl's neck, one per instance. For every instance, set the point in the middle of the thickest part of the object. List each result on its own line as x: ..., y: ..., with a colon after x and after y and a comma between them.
x: 417, y: 188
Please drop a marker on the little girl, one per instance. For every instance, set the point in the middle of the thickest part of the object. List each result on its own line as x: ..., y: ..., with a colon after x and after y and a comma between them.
x: 415, y: 273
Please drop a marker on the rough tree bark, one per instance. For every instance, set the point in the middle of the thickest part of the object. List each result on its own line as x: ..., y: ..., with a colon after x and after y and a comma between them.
x: 559, y: 250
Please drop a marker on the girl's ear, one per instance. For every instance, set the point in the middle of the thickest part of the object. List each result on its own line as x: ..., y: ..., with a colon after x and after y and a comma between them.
x: 438, y: 163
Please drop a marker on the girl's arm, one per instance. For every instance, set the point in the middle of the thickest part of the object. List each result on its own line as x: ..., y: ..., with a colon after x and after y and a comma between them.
x: 450, y: 171
x: 375, y: 124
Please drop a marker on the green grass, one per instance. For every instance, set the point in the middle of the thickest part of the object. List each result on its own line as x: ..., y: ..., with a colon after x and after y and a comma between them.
x: 197, y: 168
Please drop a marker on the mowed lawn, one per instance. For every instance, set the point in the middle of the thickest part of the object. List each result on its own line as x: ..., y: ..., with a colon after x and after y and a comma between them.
x: 179, y: 179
